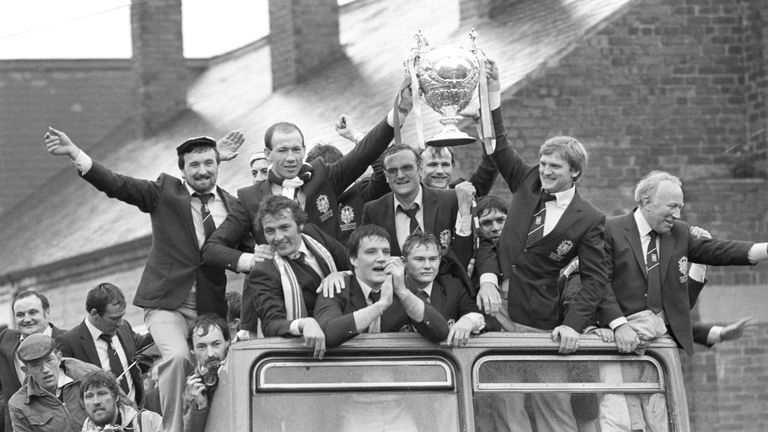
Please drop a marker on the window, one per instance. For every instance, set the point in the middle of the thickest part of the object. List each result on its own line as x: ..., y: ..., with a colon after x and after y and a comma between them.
x: 569, y: 393
x: 350, y: 394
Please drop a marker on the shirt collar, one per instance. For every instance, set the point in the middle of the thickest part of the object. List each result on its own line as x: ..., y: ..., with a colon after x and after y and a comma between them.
x: 428, y: 289
x: 563, y: 198
x: 95, y: 333
x: 418, y: 200
x: 48, y: 332
x: 214, y: 191
x: 302, y: 249
x: 364, y: 287
x: 642, y: 225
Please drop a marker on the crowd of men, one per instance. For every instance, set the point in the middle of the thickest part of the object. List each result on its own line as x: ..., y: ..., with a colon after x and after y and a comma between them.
x: 422, y: 252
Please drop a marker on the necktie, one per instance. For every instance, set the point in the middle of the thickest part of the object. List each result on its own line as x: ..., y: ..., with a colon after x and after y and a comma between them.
x: 208, y: 225
x: 411, y: 213
x: 374, y: 296
x: 654, y: 275
x: 536, y: 229
x: 114, y: 362
x: 301, y: 261
x: 424, y: 296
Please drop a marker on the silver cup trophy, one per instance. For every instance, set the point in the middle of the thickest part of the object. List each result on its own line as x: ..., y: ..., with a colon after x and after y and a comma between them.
x: 447, y: 79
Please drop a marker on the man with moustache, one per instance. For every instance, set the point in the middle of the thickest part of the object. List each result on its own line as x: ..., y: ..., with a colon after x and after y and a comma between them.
x: 282, y: 292
x: 375, y: 298
x: 107, y: 410
x: 259, y: 166
x: 49, y: 400
x: 30, y: 310
x: 176, y: 284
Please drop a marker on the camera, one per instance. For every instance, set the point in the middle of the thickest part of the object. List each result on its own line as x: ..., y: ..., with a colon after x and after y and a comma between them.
x: 209, y: 373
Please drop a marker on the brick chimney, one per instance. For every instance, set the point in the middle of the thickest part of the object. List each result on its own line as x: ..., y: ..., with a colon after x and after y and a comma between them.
x: 160, y: 71
x: 304, y: 35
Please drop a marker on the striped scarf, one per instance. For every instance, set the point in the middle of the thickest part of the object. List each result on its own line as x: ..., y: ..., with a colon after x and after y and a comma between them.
x: 294, y: 301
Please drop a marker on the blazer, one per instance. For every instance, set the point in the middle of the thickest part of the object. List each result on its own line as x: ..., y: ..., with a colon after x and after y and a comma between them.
x: 263, y: 292
x: 440, y: 209
x: 451, y: 298
x: 9, y: 379
x: 628, y: 280
x: 78, y: 343
x: 328, y: 181
x: 534, y: 299
x: 353, y: 199
x: 335, y: 316
x: 174, y: 262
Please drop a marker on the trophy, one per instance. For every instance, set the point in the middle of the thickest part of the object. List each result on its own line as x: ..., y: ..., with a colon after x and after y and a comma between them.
x: 446, y: 78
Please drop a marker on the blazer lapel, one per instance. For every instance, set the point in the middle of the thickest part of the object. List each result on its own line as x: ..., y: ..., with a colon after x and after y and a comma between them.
x: 666, y: 246
x: 633, y: 238
x: 89, y: 346
x: 185, y: 207
x: 438, y: 298
x: 356, y: 296
x: 568, y: 218
x: 429, y: 212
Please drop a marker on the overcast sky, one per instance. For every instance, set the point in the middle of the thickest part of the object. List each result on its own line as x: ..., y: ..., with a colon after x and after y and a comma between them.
x: 101, y: 28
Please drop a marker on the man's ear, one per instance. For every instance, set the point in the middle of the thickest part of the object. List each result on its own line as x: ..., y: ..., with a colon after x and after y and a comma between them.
x: 24, y: 368
x: 237, y: 324
x: 58, y: 354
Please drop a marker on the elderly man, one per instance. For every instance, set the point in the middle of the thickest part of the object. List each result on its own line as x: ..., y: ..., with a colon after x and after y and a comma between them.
x: 107, y: 410
x: 375, y: 298
x: 106, y: 340
x: 49, y: 400
x: 648, y: 252
x: 209, y: 339
x: 30, y: 310
x: 177, y: 284
x: 282, y: 292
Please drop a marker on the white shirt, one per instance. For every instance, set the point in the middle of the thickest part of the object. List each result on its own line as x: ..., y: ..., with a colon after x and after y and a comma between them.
x: 403, y: 222
x: 375, y: 326
x: 215, y: 206
x: 102, y: 349
x: 556, y: 208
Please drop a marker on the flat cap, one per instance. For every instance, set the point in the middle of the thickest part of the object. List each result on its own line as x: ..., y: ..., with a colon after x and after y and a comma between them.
x: 257, y: 156
x: 35, y: 347
x: 187, y: 145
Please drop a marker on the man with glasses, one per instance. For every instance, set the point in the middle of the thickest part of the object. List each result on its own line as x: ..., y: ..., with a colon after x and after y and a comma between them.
x: 49, y: 400
x: 411, y: 206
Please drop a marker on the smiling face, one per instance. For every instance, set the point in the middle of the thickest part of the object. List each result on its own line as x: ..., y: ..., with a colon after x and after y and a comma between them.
x: 402, y: 171
x: 437, y: 168
x: 101, y: 405
x: 664, y: 207
x: 422, y: 263
x: 287, y: 154
x: 282, y: 232
x: 372, y: 256
x: 30, y: 316
x: 201, y: 170
x: 556, y: 173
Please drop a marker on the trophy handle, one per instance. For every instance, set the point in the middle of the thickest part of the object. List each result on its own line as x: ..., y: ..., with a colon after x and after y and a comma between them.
x: 486, y: 125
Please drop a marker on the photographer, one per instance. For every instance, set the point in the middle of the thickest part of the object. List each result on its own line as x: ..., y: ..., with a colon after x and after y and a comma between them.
x: 109, y: 410
x: 209, y: 339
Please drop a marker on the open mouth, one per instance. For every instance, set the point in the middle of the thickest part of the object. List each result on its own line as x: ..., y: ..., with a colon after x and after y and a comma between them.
x: 378, y: 269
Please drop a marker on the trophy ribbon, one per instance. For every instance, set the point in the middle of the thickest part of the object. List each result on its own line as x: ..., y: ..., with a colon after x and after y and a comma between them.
x: 416, y: 101
x: 486, y: 125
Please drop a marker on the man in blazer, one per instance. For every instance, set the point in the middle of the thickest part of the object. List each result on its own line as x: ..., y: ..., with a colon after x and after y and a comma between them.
x: 30, y: 310
x: 104, y: 330
x: 434, y: 210
x: 315, y: 185
x: 547, y: 225
x: 375, y: 298
x: 177, y: 284
x: 305, y: 254
x: 630, y: 241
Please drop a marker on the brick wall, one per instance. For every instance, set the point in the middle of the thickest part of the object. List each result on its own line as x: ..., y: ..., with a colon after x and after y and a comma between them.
x: 727, y: 386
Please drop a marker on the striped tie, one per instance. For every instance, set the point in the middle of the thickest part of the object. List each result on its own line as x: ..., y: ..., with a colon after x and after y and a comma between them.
x: 536, y: 229
x: 654, y: 275
x: 208, y: 225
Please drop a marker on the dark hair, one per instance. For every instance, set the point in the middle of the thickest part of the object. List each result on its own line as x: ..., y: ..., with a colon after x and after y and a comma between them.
x: 99, y: 378
x: 438, y: 151
x: 419, y: 238
x: 203, y: 323
x: 329, y: 153
x: 397, y: 148
x: 489, y: 203
x: 196, y: 145
x: 365, y: 231
x: 234, y: 303
x: 281, y: 127
x: 103, y: 295
x: 29, y: 293
x: 278, y: 205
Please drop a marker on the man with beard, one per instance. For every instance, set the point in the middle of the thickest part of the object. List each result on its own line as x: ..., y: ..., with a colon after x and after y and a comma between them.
x: 209, y: 339
x: 109, y: 411
x: 177, y: 285
x: 49, y: 400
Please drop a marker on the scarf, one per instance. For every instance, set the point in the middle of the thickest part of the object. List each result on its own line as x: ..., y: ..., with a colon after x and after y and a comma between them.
x: 294, y: 300
x: 290, y: 185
